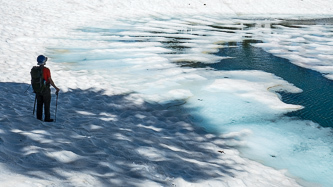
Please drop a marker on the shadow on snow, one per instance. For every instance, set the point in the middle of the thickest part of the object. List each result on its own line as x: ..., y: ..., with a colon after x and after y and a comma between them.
x: 112, y: 138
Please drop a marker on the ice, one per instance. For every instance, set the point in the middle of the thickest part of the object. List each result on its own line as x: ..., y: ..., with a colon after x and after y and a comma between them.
x: 298, y: 144
x: 227, y: 102
x: 308, y: 47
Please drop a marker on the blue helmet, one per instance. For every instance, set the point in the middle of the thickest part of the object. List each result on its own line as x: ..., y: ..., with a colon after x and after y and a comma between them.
x: 41, y: 59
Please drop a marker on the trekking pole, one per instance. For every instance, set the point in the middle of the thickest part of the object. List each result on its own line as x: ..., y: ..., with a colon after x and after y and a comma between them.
x: 27, y: 88
x: 33, y: 113
x: 55, y: 115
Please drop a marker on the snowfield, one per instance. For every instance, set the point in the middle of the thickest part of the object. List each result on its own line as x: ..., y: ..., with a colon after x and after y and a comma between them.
x: 127, y: 126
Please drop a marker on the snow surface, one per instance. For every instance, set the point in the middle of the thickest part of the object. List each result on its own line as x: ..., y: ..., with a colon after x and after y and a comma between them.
x: 118, y: 125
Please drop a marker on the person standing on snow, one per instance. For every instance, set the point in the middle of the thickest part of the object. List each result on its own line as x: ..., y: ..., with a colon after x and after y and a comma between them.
x: 44, y: 97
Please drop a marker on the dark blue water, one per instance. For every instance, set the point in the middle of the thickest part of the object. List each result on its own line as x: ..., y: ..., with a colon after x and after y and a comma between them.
x: 317, y: 95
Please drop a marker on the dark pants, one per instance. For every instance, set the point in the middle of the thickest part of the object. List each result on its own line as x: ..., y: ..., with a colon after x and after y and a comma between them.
x: 44, y: 98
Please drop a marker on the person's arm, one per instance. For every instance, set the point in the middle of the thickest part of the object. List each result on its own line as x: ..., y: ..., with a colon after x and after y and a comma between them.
x: 52, y: 83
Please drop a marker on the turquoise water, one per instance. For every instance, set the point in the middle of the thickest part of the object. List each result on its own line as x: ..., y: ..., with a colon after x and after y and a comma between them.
x: 301, y: 147
x: 317, y: 95
x: 283, y: 142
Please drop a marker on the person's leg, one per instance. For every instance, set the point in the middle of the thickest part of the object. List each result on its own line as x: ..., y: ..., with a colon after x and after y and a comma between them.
x: 47, y: 104
x: 40, y: 101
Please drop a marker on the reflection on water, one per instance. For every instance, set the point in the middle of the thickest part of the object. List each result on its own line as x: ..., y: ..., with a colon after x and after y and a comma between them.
x: 318, y: 21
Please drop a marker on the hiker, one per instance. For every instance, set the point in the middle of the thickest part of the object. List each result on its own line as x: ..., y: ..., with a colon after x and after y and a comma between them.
x: 44, y: 96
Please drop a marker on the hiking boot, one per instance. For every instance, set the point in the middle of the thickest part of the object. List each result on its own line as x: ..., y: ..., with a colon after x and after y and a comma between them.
x: 48, y: 120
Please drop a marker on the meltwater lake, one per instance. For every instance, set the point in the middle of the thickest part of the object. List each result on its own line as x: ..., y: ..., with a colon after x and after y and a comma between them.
x: 214, y: 67
x: 317, y: 94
